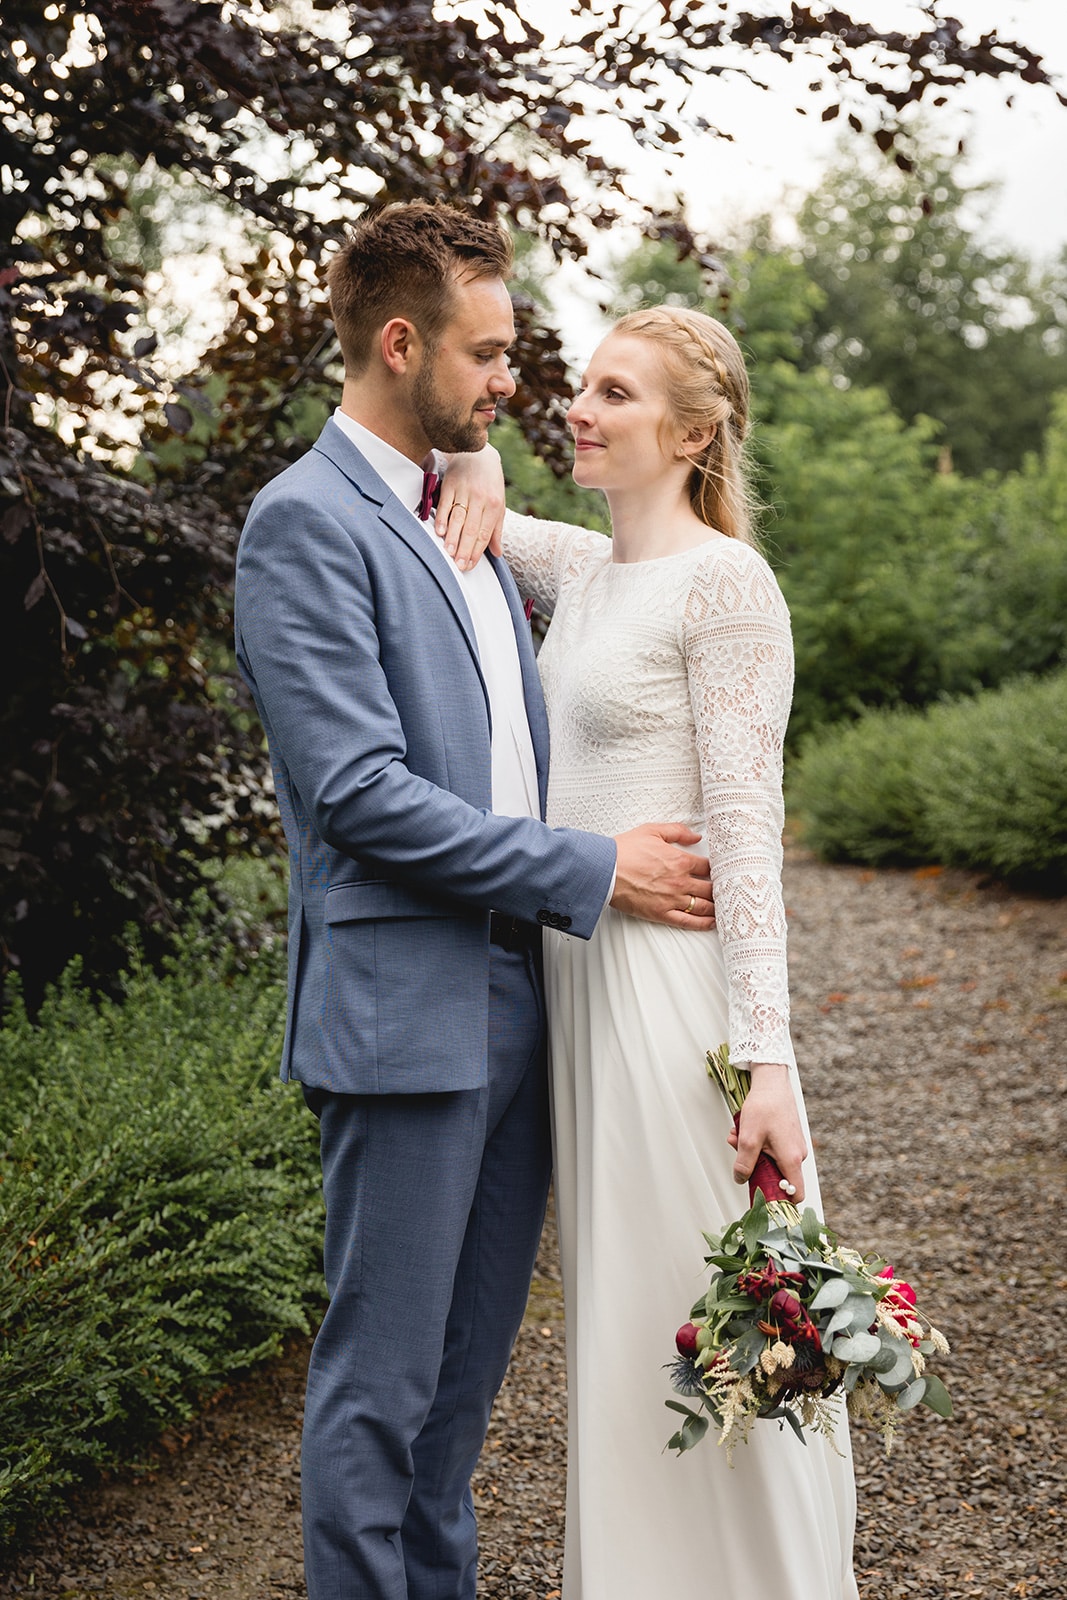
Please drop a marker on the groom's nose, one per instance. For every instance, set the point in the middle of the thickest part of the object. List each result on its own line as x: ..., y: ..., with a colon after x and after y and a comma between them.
x: 501, y: 381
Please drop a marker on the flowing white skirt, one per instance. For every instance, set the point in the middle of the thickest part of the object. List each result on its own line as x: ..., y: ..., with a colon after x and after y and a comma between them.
x: 642, y: 1166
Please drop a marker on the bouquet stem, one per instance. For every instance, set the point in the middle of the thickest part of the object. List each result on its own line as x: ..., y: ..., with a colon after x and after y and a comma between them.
x: 735, y: 1083
x: 765, y: 1175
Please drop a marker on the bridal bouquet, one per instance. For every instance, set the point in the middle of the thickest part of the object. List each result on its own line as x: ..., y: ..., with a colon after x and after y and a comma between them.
x: 793, y: 1321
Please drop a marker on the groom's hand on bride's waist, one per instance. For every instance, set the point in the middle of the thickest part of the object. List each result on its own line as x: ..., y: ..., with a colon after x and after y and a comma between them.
x: 659, y: 880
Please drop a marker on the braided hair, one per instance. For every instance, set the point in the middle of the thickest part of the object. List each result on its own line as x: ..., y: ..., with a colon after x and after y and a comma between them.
x: 707, y: 386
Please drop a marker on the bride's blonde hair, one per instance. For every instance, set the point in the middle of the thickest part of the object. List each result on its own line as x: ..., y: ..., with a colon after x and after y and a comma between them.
x: 707, y: 385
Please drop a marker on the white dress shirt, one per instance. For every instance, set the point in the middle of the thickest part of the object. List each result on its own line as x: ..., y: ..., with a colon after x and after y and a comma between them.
x: 514, y: 766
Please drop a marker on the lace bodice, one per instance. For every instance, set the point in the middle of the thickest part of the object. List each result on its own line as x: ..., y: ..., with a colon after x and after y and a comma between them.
x: 668, y: 685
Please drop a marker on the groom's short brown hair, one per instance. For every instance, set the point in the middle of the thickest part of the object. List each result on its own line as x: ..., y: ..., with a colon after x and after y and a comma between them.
x: 402, y: 261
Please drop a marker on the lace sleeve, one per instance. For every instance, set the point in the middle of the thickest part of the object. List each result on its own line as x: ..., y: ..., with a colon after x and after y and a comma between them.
x: 739, y: 658
x: 543, y: 555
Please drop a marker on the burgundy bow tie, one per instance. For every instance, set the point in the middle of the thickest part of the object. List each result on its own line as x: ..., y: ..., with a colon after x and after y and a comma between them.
x: 431, y: 489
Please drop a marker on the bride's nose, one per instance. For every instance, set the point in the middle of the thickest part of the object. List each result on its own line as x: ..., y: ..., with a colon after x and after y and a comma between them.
x: 578, y: 411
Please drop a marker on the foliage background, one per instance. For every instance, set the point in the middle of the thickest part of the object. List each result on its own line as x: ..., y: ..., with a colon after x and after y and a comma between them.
x: 138, y: 139
x: 159, y: 1206
x: 158, y: 1192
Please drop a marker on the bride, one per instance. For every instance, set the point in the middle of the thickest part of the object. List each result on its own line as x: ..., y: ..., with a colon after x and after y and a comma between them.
x: 668, y: 674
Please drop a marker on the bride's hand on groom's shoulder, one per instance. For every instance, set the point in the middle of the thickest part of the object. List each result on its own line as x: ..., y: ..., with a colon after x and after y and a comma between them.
x: 770, y: 1121
x: 470, y: 510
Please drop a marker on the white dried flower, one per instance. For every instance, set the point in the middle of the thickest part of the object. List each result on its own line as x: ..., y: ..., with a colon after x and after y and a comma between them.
x: 779, y: 1354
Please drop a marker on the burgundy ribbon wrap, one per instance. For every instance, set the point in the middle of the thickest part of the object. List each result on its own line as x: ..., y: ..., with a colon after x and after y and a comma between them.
x: 765, y: 1175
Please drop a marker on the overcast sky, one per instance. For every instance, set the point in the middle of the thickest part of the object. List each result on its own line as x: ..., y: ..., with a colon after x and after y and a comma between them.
x: 777, y: 155
x: 775, y: 150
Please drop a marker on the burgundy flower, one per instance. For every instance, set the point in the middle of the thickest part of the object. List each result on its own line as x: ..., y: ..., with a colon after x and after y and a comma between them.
x: 786, y: 1306
x: 901, y: 1294
x: 763, y: 1284
x: 686, y: 1339
x: 899, y: 1302
x: 807, y: 1334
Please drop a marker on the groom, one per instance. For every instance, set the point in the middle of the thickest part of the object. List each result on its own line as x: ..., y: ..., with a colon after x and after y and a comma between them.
x: 409, y: 745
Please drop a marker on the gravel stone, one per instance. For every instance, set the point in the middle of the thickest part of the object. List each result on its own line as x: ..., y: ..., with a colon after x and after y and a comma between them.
x: 930, y: 1018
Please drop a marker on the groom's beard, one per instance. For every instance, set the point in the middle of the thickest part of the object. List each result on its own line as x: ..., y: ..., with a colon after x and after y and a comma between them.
x: 445, y: 425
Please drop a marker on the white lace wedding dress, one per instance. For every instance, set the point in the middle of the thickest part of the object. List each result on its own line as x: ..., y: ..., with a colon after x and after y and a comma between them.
x: 668, y: 684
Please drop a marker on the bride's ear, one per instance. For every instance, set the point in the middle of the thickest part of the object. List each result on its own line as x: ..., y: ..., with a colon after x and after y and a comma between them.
x: 696, y: 442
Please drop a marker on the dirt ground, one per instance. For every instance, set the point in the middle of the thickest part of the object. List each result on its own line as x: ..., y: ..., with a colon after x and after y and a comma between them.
x: 930, y: 1016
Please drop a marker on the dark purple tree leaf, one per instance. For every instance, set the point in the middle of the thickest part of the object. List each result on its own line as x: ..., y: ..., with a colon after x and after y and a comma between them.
x: 180, y: 418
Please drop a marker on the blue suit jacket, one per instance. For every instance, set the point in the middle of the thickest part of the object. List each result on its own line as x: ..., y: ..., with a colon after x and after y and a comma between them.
x: 355, y: 640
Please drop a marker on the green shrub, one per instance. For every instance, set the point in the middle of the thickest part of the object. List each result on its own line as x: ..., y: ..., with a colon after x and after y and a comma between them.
x: 979, y: 783
x: 853, y: 789
x: 905, y: 585
x: 160, y: 1211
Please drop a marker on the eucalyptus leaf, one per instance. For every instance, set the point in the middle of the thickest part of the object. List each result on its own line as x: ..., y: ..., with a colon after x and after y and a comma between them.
x: 786, y: 1414
x: 746, y: 1352
x: 832, y: 1293
x: 774, y: 1238
x: 851, y: 1378
x: 794, y: 1422
x: 861, y: 1309
x: 857, y: 1309
x: 693, y: 1430
x: 861, y: 1347
x: 811, y: 1228
x: 901, y: 1372
x: 754, y: 1223
x: 789, y: 1254
x: 841, y: 1319
x: 732, y: 1238
x: 806, y: 1257
x: 936, y: 1396
x: 911, y: 1394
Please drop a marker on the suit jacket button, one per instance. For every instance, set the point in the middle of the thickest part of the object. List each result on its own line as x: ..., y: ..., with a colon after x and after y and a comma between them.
x: 544, y: 917
x: 564, y: 923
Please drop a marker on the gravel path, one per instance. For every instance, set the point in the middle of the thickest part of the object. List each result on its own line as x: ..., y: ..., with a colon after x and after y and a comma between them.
x: 931, y: 1021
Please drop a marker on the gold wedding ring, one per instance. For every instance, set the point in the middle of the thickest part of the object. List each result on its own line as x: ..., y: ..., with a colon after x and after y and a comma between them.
x: 691, y: 906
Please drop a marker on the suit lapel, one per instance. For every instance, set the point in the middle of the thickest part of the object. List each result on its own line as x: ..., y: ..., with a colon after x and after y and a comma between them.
x: 404, y: 524
x: 531, y: 677
x: 334, y: 444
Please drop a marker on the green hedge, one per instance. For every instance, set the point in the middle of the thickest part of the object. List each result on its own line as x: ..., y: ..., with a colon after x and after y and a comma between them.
x: 159, y: 1209
x: 979, y: 783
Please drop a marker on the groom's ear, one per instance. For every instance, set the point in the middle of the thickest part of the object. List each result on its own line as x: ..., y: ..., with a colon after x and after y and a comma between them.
x: 398, y: 342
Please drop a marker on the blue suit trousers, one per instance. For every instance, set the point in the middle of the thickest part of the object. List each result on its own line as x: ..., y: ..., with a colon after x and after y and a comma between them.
x: 434, y: 1209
